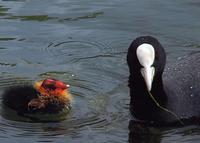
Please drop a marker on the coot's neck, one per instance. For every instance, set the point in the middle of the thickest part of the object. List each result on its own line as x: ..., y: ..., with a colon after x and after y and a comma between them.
x: 142, y: 105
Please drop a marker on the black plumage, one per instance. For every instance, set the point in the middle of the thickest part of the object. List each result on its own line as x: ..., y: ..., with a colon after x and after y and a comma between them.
x: 176, y: 87
x: 26, y: 99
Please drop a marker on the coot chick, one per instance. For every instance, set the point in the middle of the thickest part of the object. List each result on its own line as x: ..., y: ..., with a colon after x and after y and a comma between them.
x: 49, y: 96
x: 162, y: 97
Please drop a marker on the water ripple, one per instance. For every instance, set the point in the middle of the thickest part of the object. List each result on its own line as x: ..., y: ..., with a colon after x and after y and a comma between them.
x: 88, y: 16
x: 77, y: 50
x: 74, y: 49
x: 90, y: 110
x: 7, y: 64
x: 7, y: 80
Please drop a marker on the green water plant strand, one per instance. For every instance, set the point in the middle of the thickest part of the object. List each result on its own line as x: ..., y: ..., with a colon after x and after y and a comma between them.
x: 165, y: 109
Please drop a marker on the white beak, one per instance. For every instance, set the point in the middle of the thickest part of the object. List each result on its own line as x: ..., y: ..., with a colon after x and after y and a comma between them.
x: 148, y: 75
x: 146, y: 56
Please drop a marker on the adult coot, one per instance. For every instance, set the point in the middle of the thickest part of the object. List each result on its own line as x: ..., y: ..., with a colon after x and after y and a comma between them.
x: 162, y: 96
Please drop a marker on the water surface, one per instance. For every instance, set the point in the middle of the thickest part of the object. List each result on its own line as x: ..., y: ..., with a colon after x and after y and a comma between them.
x: 84, y: 43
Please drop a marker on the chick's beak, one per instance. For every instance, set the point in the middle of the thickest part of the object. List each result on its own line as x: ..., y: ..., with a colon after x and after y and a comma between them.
x: 67, y: 85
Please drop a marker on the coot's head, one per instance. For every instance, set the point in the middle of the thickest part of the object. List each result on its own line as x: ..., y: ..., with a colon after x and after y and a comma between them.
x: 50, y: 87
x: 146, y: 60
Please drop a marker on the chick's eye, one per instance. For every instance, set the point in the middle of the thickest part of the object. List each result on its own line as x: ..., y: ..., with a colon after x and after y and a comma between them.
x: 49, y: 84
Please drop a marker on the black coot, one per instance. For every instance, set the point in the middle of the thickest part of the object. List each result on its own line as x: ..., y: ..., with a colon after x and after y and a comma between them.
x: 176, y: 88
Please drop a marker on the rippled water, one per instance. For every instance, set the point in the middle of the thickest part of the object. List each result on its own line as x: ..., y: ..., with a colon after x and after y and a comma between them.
x: 84, y: 43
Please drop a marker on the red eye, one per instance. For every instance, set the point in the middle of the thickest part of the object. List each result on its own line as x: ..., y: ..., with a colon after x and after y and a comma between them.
x: 48, y: 83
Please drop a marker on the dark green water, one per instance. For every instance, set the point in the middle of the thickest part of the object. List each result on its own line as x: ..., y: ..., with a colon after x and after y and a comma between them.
x: 84, y: 43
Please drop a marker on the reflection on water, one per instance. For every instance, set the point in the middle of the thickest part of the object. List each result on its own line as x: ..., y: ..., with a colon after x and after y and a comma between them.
x: 3, y: 11
x: 139, y: 133
x: 41, y: 18
x: 32, y: 17
x: 84, y: 43
x: 5, y: 15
